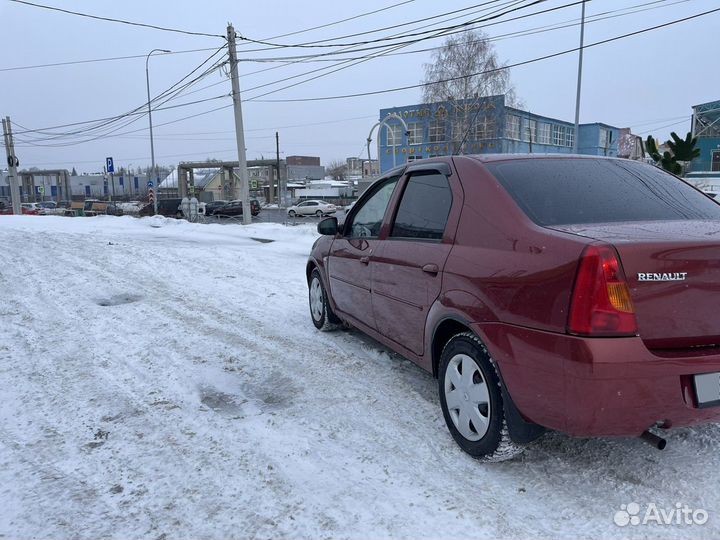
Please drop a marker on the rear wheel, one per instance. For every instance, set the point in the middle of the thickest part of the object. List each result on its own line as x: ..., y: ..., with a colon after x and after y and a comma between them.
x: 322, y: 315
x: 471, y: 400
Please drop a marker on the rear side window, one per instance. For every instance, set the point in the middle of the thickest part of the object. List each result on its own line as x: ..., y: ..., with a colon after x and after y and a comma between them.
x: 576, y: 191
x: 424, y: 207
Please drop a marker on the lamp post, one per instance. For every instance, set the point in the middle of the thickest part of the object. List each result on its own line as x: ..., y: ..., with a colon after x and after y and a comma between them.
x: 579, y: 81
x: 152, y: 146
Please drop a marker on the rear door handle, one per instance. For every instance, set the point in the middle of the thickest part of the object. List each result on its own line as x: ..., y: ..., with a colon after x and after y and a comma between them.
x: 431, y: 269
x: 365, y: 260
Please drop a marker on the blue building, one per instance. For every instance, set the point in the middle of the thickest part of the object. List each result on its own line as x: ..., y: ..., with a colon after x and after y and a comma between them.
x: 480, y: 126
x: 706, y: 127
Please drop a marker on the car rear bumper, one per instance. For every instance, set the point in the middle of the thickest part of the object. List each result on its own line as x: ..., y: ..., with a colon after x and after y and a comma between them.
x: 598, y: 386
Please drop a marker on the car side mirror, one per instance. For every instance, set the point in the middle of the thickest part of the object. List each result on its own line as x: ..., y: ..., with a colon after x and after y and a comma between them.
x: 328, y: 226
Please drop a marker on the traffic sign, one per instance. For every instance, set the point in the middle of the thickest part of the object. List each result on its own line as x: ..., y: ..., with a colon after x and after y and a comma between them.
x: 151, y: 194
x: 109, y: 165
x: 41, y: 190
x: 150, y: 183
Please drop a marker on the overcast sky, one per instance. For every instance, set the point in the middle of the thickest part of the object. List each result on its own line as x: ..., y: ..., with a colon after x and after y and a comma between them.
x: 645, y: 82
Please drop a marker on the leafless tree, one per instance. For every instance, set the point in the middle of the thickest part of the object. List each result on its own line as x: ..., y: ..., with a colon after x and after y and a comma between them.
x: 337, y: 169
x: 462, y: 72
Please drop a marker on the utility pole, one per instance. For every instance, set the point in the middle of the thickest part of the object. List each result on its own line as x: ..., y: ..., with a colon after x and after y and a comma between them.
x: 239, y: 132
x: 579, y: 81
x: 12, y: 162
x: 277, y: 162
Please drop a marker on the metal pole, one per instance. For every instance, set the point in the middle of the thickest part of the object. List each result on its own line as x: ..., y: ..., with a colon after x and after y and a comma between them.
x: 579, y: 81
x: 12, y: 162
x: 277, y: 162
x: 239, y: 132
x: 152, y: 145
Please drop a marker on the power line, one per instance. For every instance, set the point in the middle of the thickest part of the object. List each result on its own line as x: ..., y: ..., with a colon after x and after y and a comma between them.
x: 310, y: 58
x: 361, y: 59
x: 525, y: 62
x: 326, y: 25
x: 376, y: 30
x: 321, y: 43
x: 121, y: 21
x: 94, y: 60
x: 102, y: 122
x: 466, y: 28
x: 350, y: 63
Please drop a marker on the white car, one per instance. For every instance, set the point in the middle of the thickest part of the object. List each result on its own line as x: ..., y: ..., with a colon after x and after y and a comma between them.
x: 312, y: 208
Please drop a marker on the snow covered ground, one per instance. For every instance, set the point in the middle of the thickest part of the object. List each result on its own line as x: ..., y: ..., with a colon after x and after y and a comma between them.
x: 160, y: 379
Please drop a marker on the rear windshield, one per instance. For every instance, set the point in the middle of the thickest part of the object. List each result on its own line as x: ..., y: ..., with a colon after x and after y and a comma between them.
x: 576, y: 191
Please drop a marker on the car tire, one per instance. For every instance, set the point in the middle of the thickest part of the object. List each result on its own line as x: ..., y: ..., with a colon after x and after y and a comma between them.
x: 320, y: 311
x: 178, y: 215
x: 292, y: 213
x: 470, y: 393
x: 319, y: 213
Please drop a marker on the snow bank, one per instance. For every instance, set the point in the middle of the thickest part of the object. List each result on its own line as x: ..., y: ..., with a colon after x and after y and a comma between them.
x: 163, y: 379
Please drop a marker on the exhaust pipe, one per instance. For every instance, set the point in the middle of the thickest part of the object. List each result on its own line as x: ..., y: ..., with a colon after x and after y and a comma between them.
x: 653, y: 440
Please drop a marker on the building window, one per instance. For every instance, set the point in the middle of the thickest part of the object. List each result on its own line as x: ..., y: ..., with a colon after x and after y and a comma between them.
x: 485, y: 129
x: 512, y: 130
x: 394, y: 135
x: 414, y: 157
x: 605, y: 138
x: 415, y: 133
x: 436, y: 131
x: 544, y: 134
x: 570, y: 137
x: 530, y: 131
x: 558, y: 135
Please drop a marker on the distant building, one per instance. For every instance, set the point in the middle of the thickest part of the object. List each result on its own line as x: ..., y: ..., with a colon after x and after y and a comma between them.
x: 436, y: 129
x: 81, y: 186
x: 303, y: 160
x: 706, y: 127
x: 358, y: 167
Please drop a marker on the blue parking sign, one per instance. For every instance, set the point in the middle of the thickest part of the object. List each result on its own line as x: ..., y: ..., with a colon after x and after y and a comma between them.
x: 109, y: 165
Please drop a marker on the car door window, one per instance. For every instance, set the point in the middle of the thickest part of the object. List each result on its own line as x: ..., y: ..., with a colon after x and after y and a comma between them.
x: 368, y: 218
x: 424, y: 208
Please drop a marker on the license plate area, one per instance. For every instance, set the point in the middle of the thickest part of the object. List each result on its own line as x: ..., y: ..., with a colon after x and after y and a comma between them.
x: 707, y: 389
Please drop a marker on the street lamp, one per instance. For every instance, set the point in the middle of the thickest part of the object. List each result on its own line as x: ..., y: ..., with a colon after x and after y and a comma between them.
x: 152, y: 146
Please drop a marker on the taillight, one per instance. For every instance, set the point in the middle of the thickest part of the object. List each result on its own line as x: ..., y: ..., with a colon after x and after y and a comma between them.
x: 601, y: 303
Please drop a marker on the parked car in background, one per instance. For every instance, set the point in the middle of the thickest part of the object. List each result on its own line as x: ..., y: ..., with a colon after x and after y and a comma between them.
x: 5, y: 208
x: 32, y: 209
x: 573, y: 293
x: 234, y: 208
x: 211, y: 207
x: 166, y: 207
x: 312, y: 208
x: 48, y: 205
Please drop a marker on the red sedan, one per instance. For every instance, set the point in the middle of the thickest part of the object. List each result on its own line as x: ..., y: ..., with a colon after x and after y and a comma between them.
x: 568, y: 293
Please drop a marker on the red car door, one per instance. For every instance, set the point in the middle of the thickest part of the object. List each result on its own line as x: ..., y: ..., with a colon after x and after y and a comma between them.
x: 407, y: 274
x: 351, y: 257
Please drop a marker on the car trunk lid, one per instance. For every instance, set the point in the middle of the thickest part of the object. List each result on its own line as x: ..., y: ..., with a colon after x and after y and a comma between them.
x: 673, y: 271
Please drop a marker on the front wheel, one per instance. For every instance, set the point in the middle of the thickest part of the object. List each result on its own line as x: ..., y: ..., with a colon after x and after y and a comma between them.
x: 292, y: 213
x: 319, y: 213
x: 322, y: 315
x: 471, y: 400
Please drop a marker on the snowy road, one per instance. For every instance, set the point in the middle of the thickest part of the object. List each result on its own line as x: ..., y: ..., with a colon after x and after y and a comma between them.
x: 166, y: 382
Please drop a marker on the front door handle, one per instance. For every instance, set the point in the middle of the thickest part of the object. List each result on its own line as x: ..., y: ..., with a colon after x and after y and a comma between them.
x: 431, y: 269
x: 365, y: 260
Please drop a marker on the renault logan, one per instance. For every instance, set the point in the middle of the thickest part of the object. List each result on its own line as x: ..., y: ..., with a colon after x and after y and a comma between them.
x: 578, y: 294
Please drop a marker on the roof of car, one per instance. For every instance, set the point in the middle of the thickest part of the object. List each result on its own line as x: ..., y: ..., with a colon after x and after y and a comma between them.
x: 488, y: 158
